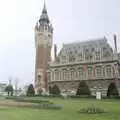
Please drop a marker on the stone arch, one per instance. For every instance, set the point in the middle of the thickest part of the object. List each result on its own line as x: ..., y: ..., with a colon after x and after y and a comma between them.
x: 112, y: 90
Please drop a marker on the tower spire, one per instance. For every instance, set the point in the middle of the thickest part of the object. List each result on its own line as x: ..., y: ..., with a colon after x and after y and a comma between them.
x: 44, y: 17
x: 44, y: 8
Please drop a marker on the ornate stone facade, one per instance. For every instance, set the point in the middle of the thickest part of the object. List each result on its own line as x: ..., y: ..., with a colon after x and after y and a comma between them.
x: 92, y: 61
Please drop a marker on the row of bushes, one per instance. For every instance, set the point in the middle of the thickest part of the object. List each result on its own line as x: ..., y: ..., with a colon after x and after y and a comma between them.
x: 83, y: 90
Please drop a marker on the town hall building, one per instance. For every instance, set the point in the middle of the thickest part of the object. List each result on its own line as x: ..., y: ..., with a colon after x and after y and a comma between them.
x: 93, y: 61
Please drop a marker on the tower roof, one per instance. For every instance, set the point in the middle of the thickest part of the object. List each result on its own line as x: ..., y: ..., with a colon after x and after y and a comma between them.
x: 44, y: 11
x: 44, y: 16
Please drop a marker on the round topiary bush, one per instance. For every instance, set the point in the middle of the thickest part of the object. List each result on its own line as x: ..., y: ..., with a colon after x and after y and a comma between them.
x: 92, y: 110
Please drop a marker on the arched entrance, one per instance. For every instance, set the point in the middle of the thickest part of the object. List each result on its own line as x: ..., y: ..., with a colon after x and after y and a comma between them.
x: 112, y: 90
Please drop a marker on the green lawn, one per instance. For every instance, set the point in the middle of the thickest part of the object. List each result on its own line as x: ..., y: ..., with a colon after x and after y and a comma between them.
x: 69, y: 111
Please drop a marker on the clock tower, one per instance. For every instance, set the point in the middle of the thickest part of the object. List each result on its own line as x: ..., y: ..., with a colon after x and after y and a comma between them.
x: 43, y: 44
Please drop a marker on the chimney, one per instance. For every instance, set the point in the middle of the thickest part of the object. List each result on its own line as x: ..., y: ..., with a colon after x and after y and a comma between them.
x: 115, y: 43
x: 55, y: 51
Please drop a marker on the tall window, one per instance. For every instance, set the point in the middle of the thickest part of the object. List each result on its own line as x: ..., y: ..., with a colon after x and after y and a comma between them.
x: 109, y: 71
x: 73, y: 73
x: 90, y: 71
x: 99, y: 71
x: 52, y: 75
x: 48, y: 76
x: 64, y: 74
x: 56, y: 75
x: 71, y: 58
x: 81, y: 72
x: 97, y: 55
x: 80, y: 56
x: 39, y: 78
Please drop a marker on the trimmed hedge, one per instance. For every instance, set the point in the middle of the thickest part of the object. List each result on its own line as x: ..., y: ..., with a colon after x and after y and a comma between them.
x: 41, y: 104
x: 47, y: 106
x: 19, y: 99
x: 83, y: 96
x: 14, y: 98
x: 34, y: 101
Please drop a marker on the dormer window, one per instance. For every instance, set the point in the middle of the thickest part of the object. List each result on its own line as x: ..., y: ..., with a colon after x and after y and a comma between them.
x: 49, y: 35
x: 97, y: 55
x: 45, y: 28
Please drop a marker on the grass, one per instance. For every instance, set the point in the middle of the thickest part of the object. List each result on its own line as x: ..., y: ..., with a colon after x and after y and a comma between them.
x: 69, y: 111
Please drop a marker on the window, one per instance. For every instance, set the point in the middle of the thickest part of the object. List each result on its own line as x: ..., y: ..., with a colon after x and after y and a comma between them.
x: 99, y: 71
x: 49, y: 35
x: 64, y: 57
x: 108, y: 71
x: 73, y: 73
x: 64, y: 74
x: 39, y: 78
x: 97, y: 55
x: 80, y: 57
x: 71, y: 58
x: 89, y: 71
x: 86, y: 56
x: 56, y: 74
x: 46, y: 27
x: 48, y: 76
x: 81, y: 72
x: 52, y: 75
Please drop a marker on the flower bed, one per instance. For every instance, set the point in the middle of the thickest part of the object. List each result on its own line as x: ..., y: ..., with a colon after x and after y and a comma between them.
x: 92, y: 110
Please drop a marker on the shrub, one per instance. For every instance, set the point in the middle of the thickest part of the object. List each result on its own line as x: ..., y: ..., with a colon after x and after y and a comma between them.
x: 55, y: 90
x: 112, y: 91
x: 83, y: 89
x: 9, y: 90
x: 50, y: 90
x: 30, y: 91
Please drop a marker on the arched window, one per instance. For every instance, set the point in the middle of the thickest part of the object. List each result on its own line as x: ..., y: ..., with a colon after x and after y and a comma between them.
x: 39, y: 78
x: 108, y: 71
x: 73, y: 73
x: 56, y: 75
x: 52, y: 75
x: 81, y: 72
x: 80, y: 56
x: 97, y: 55
x: 99, y: 71
x: 64, y: 74
x: 90, y: 71
x: 71, y: 58
x: 48, y: 76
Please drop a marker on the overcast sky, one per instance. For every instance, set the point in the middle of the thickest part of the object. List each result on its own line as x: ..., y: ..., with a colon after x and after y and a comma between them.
x: 73, y: 20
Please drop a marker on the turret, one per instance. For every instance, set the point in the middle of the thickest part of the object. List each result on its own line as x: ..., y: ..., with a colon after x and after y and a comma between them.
x: 115, y: 47
x: 55, y: 51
